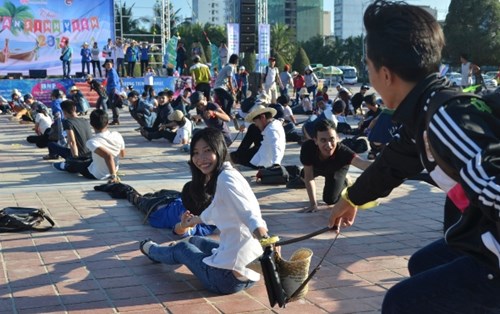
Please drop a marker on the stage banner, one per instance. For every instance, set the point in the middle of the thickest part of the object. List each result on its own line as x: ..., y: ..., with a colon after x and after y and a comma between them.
x: 233, y: 39
x: 264, y: 46
x: 33, y: 32
x: 41, y: 89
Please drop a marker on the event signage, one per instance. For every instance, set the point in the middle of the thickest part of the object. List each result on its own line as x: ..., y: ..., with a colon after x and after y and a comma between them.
x: 33, y: 32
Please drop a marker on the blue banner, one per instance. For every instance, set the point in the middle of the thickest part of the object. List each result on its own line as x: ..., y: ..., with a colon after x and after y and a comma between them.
x: 33, y: 32
x: 41, y: 89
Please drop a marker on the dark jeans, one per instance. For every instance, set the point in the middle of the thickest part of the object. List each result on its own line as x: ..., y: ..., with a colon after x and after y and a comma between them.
x: 111, y: 102
x: 120, y: 66
x: 249, y: 146
x: 66, y: 68
x: 446, y: 281
x: 86, y: 65
x: 102, y: 103
x: 144, y: 65
x: 225, y: 100
x: 130, y: 68
x: 204, y: 88
x: 58, y: 150
x: 96, y: 63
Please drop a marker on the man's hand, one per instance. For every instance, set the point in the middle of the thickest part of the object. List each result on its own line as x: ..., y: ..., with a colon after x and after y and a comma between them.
x: 342, y: 214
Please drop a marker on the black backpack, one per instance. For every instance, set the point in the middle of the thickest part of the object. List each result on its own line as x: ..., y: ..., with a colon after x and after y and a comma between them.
x: 13, y: 219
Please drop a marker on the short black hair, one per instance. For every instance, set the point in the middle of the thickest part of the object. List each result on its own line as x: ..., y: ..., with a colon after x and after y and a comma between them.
x: 233, y: 59
x: 68, y: 106
x: 99, y: 119
x: 323, y: 125
x: 370, y: 99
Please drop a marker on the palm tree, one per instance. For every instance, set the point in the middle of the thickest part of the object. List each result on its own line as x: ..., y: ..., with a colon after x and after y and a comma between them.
x: 129, y: 25
x: 281, y: 42
x: 18, y: 14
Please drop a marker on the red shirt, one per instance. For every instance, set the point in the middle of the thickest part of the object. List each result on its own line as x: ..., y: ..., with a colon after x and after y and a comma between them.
x: 298, y: 81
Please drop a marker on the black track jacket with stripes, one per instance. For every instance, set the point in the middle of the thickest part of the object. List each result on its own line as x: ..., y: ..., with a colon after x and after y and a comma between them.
x: 464, y: 135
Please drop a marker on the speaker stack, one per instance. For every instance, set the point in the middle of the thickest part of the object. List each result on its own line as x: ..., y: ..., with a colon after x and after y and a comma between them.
x: 248, y: 28
x: 38, y: 73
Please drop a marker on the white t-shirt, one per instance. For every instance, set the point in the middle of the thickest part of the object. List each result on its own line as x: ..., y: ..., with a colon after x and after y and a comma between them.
x: 44, y: 122
x: 287, y: 113
x: 271, y: 76
x: 148, y: 78
x: 466, y: 78
x: 183, y: 132
x: 112, y: 142
x: 119, y: 53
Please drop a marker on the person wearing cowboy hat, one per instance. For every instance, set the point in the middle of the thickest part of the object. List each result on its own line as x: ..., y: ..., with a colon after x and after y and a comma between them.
x: 86, y: 57
x: 267, y: 137
x: 269, y: 79
x: 82, y: 104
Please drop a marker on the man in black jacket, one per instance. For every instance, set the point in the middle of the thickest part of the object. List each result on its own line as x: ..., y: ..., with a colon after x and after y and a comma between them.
x: 458, y: 145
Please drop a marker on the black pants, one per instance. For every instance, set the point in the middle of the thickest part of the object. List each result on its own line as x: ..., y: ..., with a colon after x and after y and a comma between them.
x: 130, y: 69
x: 81, y: 166
x: 249, y: 146
x: 335, y: 182
x: 41, y: 141
x: 96, y: 63
x: 204, y: 88
x: 225, y: 100
x: 112, y: 105
x: 154, y: 134
x: 144, y: 65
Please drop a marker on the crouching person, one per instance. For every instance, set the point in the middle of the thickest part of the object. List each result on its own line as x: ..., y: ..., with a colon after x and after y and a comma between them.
x: 106, y: 148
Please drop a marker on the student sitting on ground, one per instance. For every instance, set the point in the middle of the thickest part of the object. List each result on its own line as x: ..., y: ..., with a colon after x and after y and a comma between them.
x: 325, y: 156
x: 43, y: 122
x: 162, y: 122
x: 221, y: 266
x: 268, y: 138
x: 106, y: 148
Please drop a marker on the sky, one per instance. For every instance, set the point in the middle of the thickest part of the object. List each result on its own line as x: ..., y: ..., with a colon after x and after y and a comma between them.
x: 441, y: 6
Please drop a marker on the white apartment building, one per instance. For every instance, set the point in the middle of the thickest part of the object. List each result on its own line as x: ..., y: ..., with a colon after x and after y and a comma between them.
x: 211, y: 11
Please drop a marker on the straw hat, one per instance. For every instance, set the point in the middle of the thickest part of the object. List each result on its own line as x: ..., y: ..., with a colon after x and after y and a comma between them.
x: 295, y: 271
x: 177, y: 115
x: 303, y: 92
x: 15, y: 91
x: 259, y: 109
x: 74, y: 88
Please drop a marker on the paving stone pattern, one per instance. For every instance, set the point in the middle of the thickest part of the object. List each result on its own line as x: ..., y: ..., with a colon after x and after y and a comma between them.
x: 90, y: 262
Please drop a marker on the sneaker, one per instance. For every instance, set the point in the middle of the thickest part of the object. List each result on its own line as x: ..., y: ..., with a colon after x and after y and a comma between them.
x: 141, y: 247
x: 50, y: 157
x: 296, y: 183
x: 59, y: 166
x: 115, y: 122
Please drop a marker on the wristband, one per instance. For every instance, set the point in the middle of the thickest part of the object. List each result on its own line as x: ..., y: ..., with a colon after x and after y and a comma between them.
x: 368, y: 205
x: 269, y: 240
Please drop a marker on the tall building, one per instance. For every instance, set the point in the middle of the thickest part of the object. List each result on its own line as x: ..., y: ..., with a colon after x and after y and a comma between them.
x: 348, y: 17
x: 305, y: 17
x: 212, y: 11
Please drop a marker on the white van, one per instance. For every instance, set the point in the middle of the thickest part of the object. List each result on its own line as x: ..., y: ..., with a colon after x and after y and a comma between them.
x: 350, y: 75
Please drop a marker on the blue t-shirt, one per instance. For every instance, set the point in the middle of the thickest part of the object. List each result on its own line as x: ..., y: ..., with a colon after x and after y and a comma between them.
x: 169, y: 215
x: 144, y: 52
x: 56, y: 107
x: 86, y: 55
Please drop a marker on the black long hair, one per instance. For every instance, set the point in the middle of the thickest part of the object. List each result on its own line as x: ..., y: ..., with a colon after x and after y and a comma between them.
x: 203, y: 192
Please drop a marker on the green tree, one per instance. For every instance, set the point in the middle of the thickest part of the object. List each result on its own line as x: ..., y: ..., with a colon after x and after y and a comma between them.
x: 126, y: 23
x: 473, y: 27
x: 282, y: 42
x: 301, y: 61
x: 18, y: 14
x: 280, y: 61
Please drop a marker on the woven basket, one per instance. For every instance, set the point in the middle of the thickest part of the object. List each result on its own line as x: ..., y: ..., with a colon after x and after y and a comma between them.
x: 294, y: 271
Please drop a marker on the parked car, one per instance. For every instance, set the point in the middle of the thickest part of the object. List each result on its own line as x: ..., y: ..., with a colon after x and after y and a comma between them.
x: 455, y: 78
x: 489, y: 81
x: 493, y: 75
